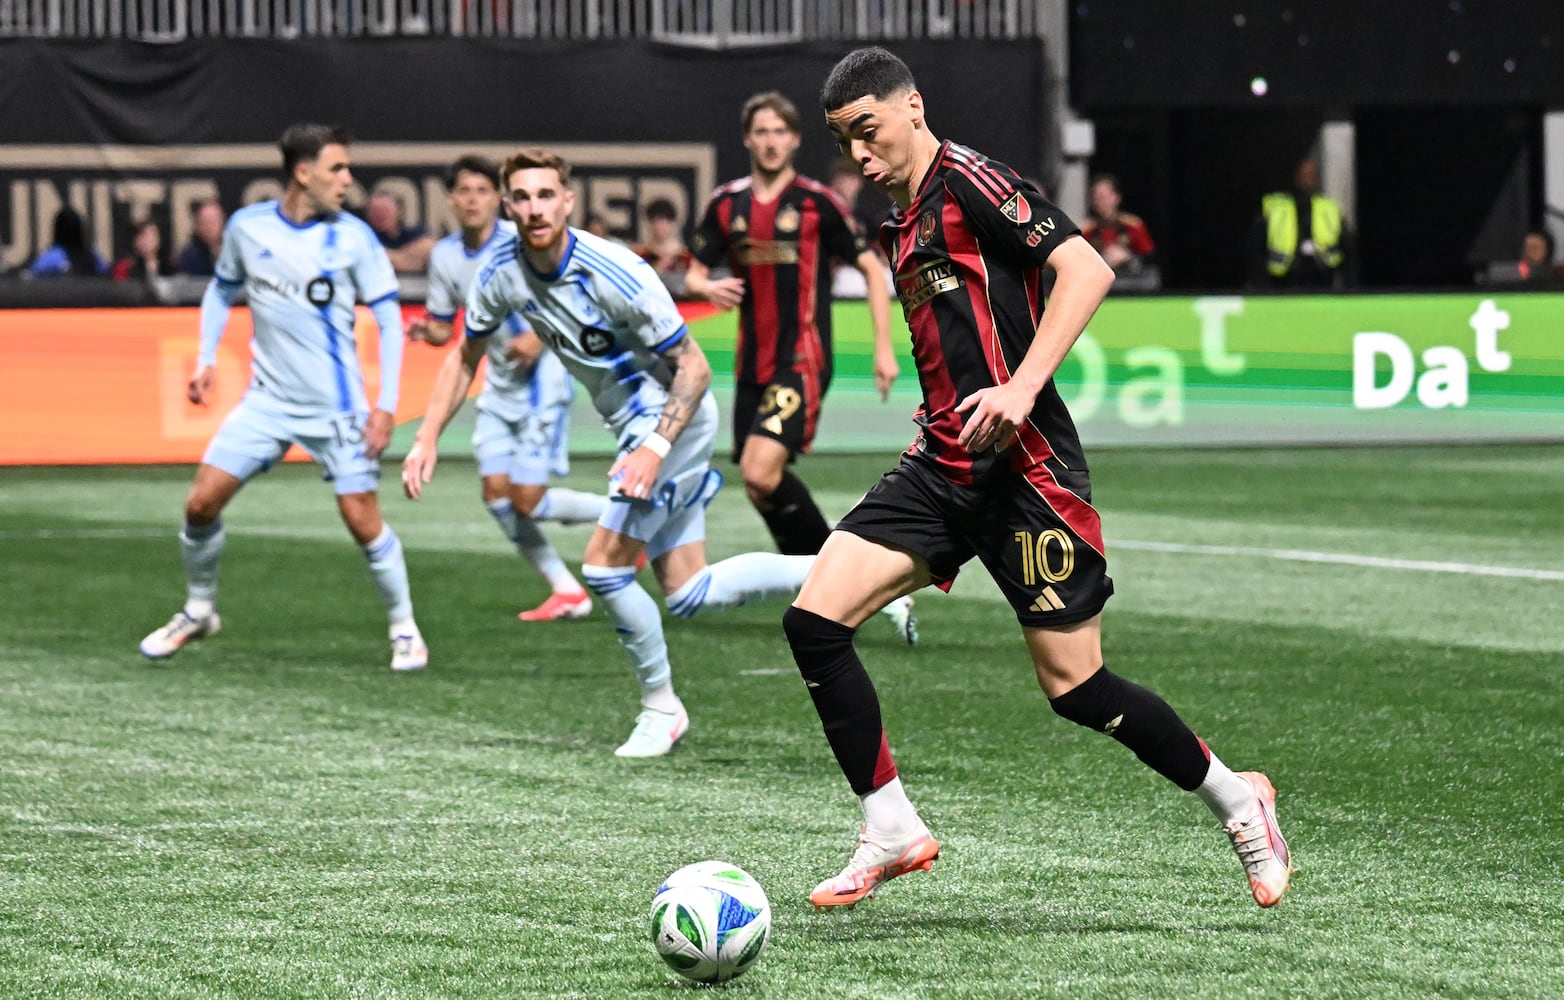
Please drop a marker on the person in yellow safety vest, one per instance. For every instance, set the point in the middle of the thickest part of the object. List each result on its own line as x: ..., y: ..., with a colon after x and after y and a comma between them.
x: 1304, y: 233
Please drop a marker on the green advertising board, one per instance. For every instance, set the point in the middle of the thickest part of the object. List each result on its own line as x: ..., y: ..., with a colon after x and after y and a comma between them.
x: 1237, y: 370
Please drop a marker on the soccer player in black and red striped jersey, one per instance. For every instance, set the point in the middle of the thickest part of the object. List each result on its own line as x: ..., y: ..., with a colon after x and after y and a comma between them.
x: 996, y: 472
x: 780, y: 233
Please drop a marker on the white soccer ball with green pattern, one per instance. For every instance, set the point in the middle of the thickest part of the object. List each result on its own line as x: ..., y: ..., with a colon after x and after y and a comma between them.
x: 710, y: 921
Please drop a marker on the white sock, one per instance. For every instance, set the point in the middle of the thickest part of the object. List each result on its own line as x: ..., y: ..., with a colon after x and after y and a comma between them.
x: 529, y: 541
x: 404, y: 626
x: 388, y: 568
x: 887, y: 812
x: 1228, y: 796
x: 752, y: 576
x: 637, y: 621
x: 199, y: 549
x: 570, y: 506
x: 661, y: 698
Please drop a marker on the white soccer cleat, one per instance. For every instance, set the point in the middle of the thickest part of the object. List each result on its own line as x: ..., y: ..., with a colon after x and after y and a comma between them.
x: 873, y: 864
x: 903, y: 619
x: 408, y: 652
x: 655, y: 733
x: 181, y: 628
x: 1259, y: 844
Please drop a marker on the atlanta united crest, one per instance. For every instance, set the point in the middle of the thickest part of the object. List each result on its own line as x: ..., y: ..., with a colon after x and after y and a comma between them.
x: 787, y: 219
x: 925, y: 228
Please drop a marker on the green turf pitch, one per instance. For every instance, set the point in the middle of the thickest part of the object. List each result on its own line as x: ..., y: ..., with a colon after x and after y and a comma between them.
x: 275, y: 814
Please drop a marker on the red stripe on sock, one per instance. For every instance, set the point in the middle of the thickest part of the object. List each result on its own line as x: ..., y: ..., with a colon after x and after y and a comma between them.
x: 884, y: 764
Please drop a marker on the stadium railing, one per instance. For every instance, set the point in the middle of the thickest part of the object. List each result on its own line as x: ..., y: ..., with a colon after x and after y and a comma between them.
x: 717, y: 24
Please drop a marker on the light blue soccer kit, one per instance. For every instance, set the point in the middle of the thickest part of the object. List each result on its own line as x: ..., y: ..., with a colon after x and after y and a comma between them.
x: 523, y: 412
x: 303, y: 283
x: 606, y: 315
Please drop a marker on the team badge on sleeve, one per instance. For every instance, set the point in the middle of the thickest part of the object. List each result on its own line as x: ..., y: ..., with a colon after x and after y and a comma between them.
x: 1017, y: 209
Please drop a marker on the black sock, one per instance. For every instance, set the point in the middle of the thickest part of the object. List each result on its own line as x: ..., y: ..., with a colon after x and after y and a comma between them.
x: 844, y: 697
x: 794, y: 521
x: 1134, y: 716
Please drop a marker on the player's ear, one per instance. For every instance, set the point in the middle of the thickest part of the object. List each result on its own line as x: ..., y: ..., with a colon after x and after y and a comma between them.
x: 915, y: 108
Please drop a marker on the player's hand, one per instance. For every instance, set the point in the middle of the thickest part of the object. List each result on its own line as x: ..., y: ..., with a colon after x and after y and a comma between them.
x: 200, y: 386
x: 634, y: 474
x: 725, y: 293
x: 524, y: 348
x: 418, y: 469
x: 1116, y: 256
x: 377, y: 433
x: 430, y: 331
x: 996, y: 413
x: 885, y: 370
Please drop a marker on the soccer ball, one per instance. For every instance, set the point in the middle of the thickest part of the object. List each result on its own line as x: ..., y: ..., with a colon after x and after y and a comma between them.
x: 710, y: 921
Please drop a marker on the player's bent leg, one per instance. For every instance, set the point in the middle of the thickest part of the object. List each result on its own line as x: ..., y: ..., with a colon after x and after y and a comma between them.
x: 851, y: 579
x: 388, y: 568
x: 568, y: 599
x: 609, y: 572
x: 781, y: 498
x: 201, y: 541
x: 731, y: 583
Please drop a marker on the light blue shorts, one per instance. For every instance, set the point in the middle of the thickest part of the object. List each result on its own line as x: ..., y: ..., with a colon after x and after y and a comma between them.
x: 676, y: 513
x: 254, y: 436
x: 527, y: 449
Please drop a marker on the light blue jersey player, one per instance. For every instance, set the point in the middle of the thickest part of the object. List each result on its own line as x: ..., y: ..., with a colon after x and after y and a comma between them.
x: 304, y: 264
x: 524, y: 410
x: 606, y: 315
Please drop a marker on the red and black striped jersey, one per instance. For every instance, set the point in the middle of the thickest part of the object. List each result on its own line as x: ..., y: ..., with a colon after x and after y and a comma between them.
x: 968, y: 255
x: 783, y: 249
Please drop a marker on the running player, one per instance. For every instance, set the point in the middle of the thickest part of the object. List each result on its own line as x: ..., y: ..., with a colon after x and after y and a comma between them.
x: 303, y: 263
x: 781, y: 233
x: 996, y: 472
x: 524, y: 409
x: 606, y: 315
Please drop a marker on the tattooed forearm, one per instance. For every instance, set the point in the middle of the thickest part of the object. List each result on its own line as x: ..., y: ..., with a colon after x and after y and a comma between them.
x: 691, y: 379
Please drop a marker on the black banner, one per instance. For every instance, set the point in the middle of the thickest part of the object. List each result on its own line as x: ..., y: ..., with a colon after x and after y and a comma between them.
x: 122, y: 130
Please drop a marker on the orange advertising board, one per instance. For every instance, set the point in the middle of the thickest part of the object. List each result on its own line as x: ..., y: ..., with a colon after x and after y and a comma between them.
x: 90, y: 386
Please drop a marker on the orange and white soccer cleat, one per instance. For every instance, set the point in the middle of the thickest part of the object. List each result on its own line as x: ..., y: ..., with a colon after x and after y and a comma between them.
x: 559, y: 606
x: 874, y: 863
x: 181, y: 629
x: 1259, y: 844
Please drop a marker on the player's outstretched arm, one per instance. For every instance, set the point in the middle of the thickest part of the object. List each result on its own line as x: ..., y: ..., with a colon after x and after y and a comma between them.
x: 1083, y: 281
x: 878, y: 293
x: 451, y: 383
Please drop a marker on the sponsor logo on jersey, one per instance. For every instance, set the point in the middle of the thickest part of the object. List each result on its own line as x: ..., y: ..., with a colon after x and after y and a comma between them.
x: 596, y: 342
x: 320, y: 291
x: 752, y: 252
x: 1017, y: 209
x: 925, y: 228
x: 928, y: 281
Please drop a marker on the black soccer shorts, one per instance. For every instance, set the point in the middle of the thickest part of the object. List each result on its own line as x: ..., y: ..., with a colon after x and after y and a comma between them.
x: 1044, y: 564
x: 787, y: 410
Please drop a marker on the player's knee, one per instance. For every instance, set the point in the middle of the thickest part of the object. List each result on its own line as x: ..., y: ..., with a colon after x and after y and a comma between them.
x: 202, y: 510
x: 1091, y: 703
x: 820, y: 646
x: 525, y: 502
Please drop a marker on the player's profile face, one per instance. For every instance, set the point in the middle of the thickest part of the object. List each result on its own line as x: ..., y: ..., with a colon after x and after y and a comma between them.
x: 475, y: 200
x: 876, y: 134
x: 539, y: 204
x: 326, y: 179
x: 771, y: 143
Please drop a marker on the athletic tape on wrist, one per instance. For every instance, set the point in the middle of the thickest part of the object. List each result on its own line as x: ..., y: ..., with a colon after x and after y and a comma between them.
x: 659, y: 445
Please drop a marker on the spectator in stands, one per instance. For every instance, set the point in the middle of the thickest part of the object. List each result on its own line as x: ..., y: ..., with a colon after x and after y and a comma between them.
x: 1121, y: 238
x: 1537, y: 266
x: 1301, y: 236
x: 868, y: 211
x: 199, y: 257
x: 68, y: 252
x: 145, y: 260
x: 407, y: 246
x: 598, y: 226
x: 664, y: 249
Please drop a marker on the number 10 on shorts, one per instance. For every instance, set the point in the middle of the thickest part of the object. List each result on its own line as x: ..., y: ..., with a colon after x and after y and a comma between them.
x: 1049, y: 555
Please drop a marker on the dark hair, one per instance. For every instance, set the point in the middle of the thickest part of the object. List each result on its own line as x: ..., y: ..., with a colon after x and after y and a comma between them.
x: 70, y: 235
x: 867, y: 72
x: 472, y: 164
x: 661, y: 208
x: 535, y: 158
x: 1110, y: 179
x: 771, y: 100
x: 302, y: 143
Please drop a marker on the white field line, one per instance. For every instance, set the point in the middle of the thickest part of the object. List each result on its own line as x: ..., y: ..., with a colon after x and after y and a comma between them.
x: 1177, y: 548
x: 1340, y: 558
